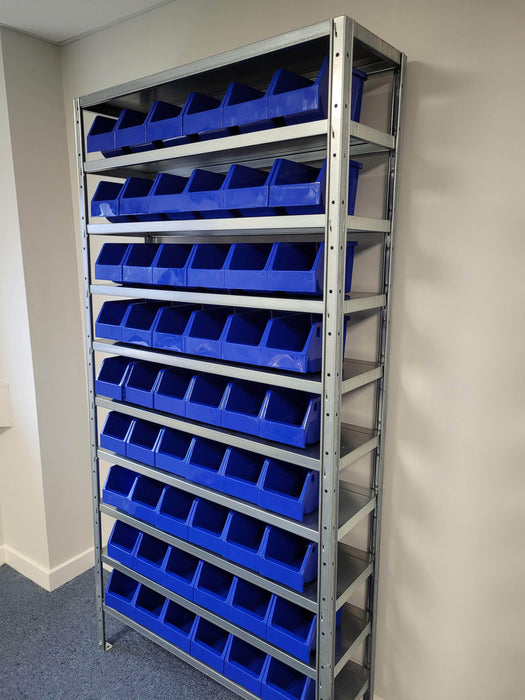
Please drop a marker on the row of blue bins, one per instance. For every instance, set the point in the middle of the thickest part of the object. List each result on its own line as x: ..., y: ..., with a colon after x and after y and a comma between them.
x: 283, y: 415
x: 289, y: 99
x: 287, y: 341
x: 270, y: 551
x: 238, y: 660
x: 289, y: 188
x: 288, y: 626
x: 273, y: 485
x: 270, y: 267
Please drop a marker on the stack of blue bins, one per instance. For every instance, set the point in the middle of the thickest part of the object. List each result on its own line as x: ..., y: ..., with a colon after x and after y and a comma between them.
x: 289, y: 99
x: 289, y: 188
x: 283, y: 341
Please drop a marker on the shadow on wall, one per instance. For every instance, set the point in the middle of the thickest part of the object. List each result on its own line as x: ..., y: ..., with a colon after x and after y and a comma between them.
x: 421, y: 463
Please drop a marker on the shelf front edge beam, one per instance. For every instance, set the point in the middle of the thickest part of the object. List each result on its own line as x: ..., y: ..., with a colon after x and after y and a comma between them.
x: 252, y: 225
x: 363, y: 302
x: 314, y: 306
x: 373, y: 137
x: 306, y: 530
x: 261, y: 644
x: 295, y: 455
x: 304, y: 600
x: 176, y: 651
x: 265, y: 376
x: 376, y: 45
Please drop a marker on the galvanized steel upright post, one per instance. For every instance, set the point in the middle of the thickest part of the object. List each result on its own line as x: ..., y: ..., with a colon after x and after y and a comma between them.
x: 338, y: 159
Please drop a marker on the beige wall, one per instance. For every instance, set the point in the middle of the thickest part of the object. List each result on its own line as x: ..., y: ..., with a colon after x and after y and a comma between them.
x: 450, y: 615
x: 45, y: 458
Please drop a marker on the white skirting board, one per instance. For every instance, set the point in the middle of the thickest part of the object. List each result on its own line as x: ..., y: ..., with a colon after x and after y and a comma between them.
x: 47, y: 578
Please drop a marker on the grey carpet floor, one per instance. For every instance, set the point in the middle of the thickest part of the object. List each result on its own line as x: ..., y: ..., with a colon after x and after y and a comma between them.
x: 48, y: 650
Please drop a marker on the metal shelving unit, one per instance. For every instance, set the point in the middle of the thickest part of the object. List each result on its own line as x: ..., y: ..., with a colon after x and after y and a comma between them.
x: 343, y: 666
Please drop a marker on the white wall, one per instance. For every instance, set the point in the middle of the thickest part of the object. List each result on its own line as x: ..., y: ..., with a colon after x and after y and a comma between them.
x: 52, y: 526
x: 450, y: 611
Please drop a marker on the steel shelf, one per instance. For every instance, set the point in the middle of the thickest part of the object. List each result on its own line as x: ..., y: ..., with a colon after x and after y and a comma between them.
x: 253, y: 225
x: 354, y: 502
x: 176, y: 651
x: 355, y: 628
x: 301, y: 666
x: 352, y: 683
x: 356, y: 373
x: 355, y: 440
x: 356, y: 301
x: 354, y: 565
x: 259, y: 149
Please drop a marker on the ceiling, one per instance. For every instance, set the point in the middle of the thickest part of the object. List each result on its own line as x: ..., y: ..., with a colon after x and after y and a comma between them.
x: 62, y: 21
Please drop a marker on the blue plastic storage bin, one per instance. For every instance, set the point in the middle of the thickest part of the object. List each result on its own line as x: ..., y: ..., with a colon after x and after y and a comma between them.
x: 212, y: 589
x: 204, y: 330
x: 164, y: 124
x: 292, y: 628
x: 109, y: 321
x: 171, y: 390
x: 203, y: 194
x: 137, y: 326
x: 169, y: 267
x: 134, y: 200
x: 243, y: 538
x: 292, y: 342
x: 207, y: 524
x: 297, y: 99
x: 246, y: 266
x: 204, y: 401
x: 144, y: 499
x: 299, y: 268
x: 291, y: 417
x: 140, y: 383
x: 112, y: 376
x: 108, y: 265
x: 208, y: 643
x: 118, y: 487
x: 242, y: 407
x: 245, y: 664
x: 247, y: 190
x: 288, y: 489
x: 178, y: 625
x: 173, y: 512
x: 172, y: 451
x: 148, y: 609
x: 115, y: 432
x: 106, y: 202
x: 166, y: 197
x: 243, y: 334
x: 141, y: 442
x: 150, y: 557
x: 170, y: 326
x: 137, y: 265
x: 205, y: 461
x: 246, y: 108
x: 206, y: 265
x: 250, y: 607
x: 130, y: 131
x: 203, y: 116
x: 301, y: 188
x: 241, y: 474
x: 180, y: 572
x: 101, y: 137
x: 121, y: 592
x: 123, y: 542
x: 289, y: 559
x: 281, y: 682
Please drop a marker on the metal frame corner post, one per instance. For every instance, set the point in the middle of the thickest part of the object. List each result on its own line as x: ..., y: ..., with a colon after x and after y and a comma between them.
x: 338, y: 157
x: 383, y: 352
x: 88, y: 316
